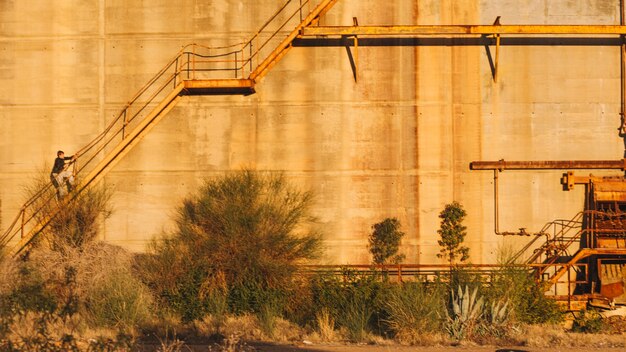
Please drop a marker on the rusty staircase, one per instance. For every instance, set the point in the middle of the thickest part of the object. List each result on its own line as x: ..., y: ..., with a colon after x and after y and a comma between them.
x: 195, y: 70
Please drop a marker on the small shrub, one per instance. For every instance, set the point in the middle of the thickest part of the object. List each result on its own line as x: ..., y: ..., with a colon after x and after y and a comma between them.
x: 78, y: 223
x: 75, y: 223
x: 452, y: 233
x: 384, y: 242
x: 590, y: 321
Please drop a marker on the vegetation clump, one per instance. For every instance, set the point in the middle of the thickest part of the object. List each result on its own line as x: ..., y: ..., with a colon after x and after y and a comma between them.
x: 47, y: 296
x: 238, y: 243
x: 231, y: 271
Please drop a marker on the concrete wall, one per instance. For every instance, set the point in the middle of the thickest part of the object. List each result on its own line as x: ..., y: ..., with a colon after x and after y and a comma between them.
x: 396, y: 144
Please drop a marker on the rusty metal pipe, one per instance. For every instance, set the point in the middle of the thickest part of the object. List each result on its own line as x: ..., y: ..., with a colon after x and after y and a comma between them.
x: 426, y: 30
x: 496, y: 214
x: 549, y: 165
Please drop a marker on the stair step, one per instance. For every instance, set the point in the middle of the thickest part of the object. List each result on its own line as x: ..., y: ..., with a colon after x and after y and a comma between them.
x: 218, y: 87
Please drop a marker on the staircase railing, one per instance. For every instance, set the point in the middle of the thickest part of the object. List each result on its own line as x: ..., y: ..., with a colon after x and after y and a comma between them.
x: 553, y: 231
x: 192, y: 62
x: 565, y: 232
x: 30, y: 214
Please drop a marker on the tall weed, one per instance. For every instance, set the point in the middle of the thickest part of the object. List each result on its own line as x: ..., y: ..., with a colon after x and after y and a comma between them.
x: 415, y: 309
x: 355, y: 301
x: 119, y: 301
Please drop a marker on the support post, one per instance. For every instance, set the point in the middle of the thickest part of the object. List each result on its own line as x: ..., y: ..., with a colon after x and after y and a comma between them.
x: 495, y: 74
x: 354, y: 58
x: 495, y: 66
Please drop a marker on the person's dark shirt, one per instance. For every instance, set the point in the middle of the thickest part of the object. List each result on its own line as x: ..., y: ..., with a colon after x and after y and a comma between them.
x: 59, y: 164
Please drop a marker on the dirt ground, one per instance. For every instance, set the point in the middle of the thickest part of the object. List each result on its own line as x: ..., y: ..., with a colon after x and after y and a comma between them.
x: 614, y: 335
x: 369, y: 348
x: 268, y: 347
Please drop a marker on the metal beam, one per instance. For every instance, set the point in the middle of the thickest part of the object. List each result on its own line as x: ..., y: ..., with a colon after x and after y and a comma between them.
x: 427, y: 30
x: 549, y: 165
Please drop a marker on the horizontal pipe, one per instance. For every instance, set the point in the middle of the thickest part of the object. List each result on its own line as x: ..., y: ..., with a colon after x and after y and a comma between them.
x: 549, y: 165
x: 462, y: 30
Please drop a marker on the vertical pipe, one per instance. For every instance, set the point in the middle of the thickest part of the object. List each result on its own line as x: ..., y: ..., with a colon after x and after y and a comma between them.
x: 622, y: 21
x: 496, y: 216
x: 569, y: 289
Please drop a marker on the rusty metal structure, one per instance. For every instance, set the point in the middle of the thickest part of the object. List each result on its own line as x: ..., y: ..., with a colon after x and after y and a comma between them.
x: 581, y: 258
x: 590, y: 249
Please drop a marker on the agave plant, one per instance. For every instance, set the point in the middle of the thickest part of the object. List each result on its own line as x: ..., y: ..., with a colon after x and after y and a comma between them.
x: 499, y: 313
x: 467, y: 309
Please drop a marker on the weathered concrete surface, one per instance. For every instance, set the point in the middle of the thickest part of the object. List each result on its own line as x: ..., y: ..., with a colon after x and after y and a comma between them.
x: 396, y: 144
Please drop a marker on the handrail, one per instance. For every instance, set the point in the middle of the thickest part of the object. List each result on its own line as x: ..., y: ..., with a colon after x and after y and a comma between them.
x: 562, y: 240
x: 189, y: 63
x: 558, y: 236
x: 564, y: 225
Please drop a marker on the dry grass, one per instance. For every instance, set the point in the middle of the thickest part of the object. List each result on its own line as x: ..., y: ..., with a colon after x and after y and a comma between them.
x: 170, y: 344
x: 544, y: 336
x: 8, y: 273
x: 248, y: 327
x: 325, y: 325
x: 93, y: 262
x: 103, y: 283
x: 27, y: 327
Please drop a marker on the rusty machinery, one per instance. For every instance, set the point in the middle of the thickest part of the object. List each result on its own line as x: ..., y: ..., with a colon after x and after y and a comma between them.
x: 590, y: 249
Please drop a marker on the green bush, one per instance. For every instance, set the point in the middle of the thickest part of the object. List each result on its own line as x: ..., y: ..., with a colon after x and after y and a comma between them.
x: 527, y: 299
x: 355, y: 301
x: 250, y: 228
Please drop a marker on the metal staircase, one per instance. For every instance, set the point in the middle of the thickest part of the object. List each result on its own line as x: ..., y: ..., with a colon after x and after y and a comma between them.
x: 195, y: 70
